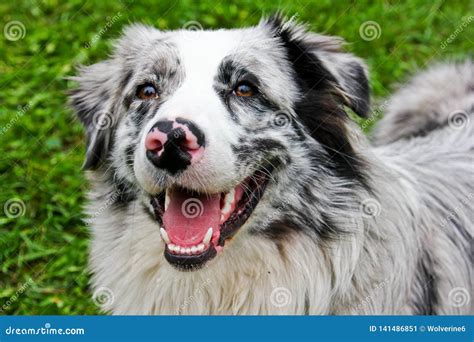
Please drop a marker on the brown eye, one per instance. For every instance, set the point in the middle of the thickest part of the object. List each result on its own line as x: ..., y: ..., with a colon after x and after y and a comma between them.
x: 147, y: 92
x: 244, y: 90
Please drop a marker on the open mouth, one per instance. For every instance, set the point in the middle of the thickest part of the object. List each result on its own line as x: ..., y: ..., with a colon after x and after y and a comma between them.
x: 195, y: 226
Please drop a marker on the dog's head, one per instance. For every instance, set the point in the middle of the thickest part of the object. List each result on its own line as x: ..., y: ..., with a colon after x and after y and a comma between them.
x: 213, y: 128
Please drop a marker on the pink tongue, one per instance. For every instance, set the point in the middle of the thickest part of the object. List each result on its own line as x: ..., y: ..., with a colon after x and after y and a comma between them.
x: 189, y: 216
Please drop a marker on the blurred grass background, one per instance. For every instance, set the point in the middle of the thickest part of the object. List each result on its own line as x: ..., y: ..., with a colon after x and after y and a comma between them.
x: 43, y: 246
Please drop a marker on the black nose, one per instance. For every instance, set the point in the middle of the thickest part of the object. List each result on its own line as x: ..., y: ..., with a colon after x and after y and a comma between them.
x: 174, y: 145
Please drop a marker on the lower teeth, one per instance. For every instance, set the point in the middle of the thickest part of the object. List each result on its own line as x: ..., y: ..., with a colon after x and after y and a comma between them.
x: 187, y: 250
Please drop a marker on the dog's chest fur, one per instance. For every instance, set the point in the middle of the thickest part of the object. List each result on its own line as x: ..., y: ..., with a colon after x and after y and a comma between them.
x: 309, y: 244
x: 255, y: 275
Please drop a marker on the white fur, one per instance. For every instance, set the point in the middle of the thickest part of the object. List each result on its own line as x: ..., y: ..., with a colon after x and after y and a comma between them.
x: 374, y: 269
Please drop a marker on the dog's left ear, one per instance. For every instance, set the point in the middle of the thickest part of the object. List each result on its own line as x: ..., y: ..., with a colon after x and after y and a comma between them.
x: 321, y: 64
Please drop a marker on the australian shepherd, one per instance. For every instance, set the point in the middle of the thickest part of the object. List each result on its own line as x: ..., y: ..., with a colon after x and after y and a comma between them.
x: 228, y: 176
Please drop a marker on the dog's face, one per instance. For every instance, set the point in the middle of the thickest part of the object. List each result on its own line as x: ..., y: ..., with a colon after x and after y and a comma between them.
x: 209, y: 128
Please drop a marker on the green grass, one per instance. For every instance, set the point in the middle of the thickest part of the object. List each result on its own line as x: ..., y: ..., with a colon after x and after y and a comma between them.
x: 42, y: 146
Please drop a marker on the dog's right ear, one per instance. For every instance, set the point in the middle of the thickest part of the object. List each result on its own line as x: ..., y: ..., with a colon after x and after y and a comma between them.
x: 96, y: 99
x: 93, y: 104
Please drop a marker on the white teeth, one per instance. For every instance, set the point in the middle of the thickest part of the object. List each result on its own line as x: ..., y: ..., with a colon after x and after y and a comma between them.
x: 164, y: 236
x: 228, y: 201
x: 208, y: 236
x: 188, y: 250
x: 167, y: 200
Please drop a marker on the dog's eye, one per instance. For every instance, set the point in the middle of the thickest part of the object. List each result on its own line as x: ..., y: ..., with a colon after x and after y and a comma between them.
x: 147, y: 92
x: 244, y: 89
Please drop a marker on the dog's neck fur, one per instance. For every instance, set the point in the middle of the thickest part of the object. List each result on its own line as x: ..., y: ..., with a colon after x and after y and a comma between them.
x: 351, y: 274
x: 356, y: 273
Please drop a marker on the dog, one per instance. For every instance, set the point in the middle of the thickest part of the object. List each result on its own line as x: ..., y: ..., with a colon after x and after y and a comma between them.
x: 228, y: 176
